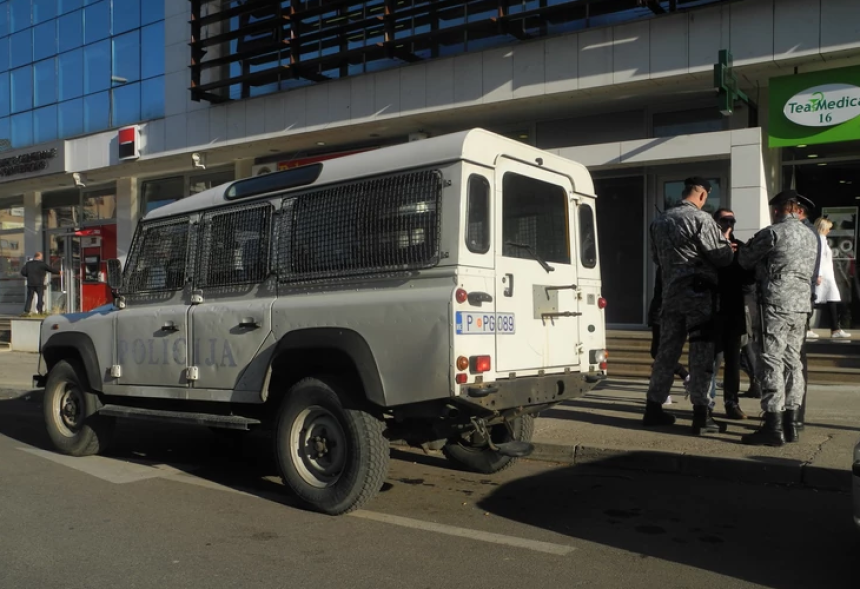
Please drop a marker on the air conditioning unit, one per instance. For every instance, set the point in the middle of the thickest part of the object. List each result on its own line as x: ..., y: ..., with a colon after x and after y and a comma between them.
x: 261, y: 169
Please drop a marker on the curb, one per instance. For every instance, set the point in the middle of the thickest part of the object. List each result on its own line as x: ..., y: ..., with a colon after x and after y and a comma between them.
x: 735, y: 469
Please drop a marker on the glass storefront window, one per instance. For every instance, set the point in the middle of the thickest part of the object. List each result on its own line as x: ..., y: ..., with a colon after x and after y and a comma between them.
x: 61, y: 209
x: 157, y: 193
x: 672, y: 195
x: 11, y: 251
x: 11, y: 215
x: 99, y: 206
x: 207, y: 181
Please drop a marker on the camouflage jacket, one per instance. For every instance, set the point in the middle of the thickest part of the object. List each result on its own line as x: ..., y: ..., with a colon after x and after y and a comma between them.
x: 687, y: 245
x: 784, y: 256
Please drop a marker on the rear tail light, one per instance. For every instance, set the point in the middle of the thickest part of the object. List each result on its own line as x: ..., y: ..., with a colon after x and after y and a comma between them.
x: 480, y: 364
x: 461, y: 295
x: 603, y: 365
x: 601, y: 303
x: 597, y: 356
x: 461, y: 378
x: 462, y: 363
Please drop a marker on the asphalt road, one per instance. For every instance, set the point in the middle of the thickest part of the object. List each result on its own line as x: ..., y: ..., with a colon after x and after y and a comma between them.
x: 179, y: 507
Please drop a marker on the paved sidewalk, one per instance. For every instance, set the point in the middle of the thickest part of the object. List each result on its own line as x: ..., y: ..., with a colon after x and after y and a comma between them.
x: 603, y: 428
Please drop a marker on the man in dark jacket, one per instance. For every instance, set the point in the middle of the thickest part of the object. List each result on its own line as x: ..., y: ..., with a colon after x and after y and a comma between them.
x: 35, y: 271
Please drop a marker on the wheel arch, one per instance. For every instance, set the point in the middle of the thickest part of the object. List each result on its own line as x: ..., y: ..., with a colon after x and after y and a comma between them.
x: 77, y: 346
x: 325, y: 350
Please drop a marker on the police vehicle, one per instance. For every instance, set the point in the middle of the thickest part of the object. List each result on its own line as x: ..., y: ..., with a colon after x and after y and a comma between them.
x: 441, y: 293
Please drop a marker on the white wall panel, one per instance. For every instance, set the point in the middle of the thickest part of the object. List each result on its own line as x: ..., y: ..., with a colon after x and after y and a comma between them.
x: 751, y: 31
x: 236, y: 120
x: 218, y: 124
x: 177, y: 28
x: 669, y: 41
x: 273, y: 109
x: 528, y: 72
x: 414, y: 90
x: 172, y: 7
x: 747, y: 170
x: 339, y: 99
x: 595, y: 58
x: 561, y: 62
x: 176, y: 95
x: 796, y: 28
x: 154, y: 137
x: 362, y: 98
x: 176, y: 58
x: 705, y: 38
x: 317, y: 106
x: 175, y: 137
x: 498, y: 70
x: 632, y: 53
x: 255, y: 117
x: 840, y: 24
x: 387, y: 93
x: 295, y: 109
x: 468, y: 79
x: 197, y: 128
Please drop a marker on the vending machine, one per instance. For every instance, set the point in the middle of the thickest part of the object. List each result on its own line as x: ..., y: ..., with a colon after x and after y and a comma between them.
x: 98, y: 245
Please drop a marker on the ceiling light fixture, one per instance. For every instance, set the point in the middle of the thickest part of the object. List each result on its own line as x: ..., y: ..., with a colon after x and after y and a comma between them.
x: 812, y: 155
x: 823, y: 164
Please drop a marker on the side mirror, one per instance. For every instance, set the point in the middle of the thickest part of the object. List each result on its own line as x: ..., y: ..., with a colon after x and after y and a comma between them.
x: 114, y: 274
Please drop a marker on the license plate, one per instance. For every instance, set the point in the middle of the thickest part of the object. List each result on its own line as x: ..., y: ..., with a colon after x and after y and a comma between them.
x: 483, y: 323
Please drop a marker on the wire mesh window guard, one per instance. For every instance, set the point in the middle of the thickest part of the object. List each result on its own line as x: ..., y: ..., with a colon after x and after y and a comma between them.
x: 534, y: 213
x: 378, y: 226
x: 234, y: 246
x: 478, y: 215
x: 587, y: 237
x: 158, y: 258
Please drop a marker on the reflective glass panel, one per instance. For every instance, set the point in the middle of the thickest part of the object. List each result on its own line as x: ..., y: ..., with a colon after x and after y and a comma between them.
x: 4, y: 94
x: 126, y: 15
x: 97, y: 67
x: 4, y: 19
x: 151, y: 12
x: 71, y: 30
x: 21, y: 47
x: 96, y: 21
x: 96, y: 112
x: 45, y: 124
x: 19, y: 14
x: 22, y: 89
x: 99, y: 206
x: 44, y: 10
x: 71, y: 118
x: 46, y: 82
x: 71, y: 74
x: 45, y: 40
x: 152, y: 98
x: 126, y: 58
x: 69, y: 5
x: 126, y: 105
x: 5, y: 133
x: 22, y: 129
x: 152, y: 58
x: 4, y: 54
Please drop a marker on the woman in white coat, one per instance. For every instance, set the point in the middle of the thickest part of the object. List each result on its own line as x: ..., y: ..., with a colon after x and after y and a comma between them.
x: 826, y: 290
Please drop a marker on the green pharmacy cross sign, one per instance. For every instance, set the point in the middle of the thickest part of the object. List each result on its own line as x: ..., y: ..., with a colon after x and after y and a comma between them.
x: 814, y: 108
x: 726, y: 83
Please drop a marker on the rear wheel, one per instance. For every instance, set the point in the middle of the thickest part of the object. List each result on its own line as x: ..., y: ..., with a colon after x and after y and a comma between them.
x: 71, y: 412
x: 473, y: 453
x: 333, y: 457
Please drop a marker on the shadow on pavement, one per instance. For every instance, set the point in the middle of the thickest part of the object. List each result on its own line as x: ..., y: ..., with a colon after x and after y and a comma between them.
x: 775, y: 536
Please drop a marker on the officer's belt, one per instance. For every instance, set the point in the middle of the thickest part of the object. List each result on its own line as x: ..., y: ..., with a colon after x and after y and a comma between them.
x: 797, y: 275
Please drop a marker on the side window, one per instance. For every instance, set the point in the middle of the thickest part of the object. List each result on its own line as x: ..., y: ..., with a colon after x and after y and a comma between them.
x: 534, y: 214
x: 234, y: 246
x: 478, y: 215
x: 587, y: 236
x: 157, y: 261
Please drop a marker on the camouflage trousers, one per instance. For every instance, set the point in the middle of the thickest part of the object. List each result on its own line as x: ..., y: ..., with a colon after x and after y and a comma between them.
x: 781, y: 369
x: 675, y: 326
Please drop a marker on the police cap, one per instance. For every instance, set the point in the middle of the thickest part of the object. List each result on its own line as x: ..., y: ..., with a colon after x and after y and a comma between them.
x: 787, y: 195
x: 698, y: 181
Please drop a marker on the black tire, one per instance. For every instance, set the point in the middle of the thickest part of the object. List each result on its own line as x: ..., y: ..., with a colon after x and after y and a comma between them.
x: 465, y: 454
x: 70, y: 411
x: 347, y: 466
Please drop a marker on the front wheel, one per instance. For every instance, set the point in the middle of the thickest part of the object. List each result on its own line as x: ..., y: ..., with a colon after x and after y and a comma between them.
x: 70, y: 411
x: 334, y: 458
x: 472, y: 453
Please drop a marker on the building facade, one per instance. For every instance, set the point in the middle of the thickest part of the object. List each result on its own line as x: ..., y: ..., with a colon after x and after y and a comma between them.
x: 174, y: 97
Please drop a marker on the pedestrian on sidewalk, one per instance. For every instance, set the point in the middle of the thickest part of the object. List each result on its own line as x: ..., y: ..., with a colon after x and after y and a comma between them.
x: 687, y: 245
x: 654, y: 324
x: 36, y: 270
x: 730, y: 326
x: 784, y: 256
x: 826, y: 289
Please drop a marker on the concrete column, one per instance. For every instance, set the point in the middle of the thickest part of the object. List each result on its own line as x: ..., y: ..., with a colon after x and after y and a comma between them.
x: 243, y: 168
x: 749, y: 182
x: 127, y: 214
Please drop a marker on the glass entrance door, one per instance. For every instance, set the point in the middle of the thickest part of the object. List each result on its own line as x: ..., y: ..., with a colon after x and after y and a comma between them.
x: 64, y: 254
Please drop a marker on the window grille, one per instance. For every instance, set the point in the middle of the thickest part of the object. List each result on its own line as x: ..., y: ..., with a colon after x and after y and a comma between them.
x: 234, y: 246
x: 158, y: 258
x: 376, y: 226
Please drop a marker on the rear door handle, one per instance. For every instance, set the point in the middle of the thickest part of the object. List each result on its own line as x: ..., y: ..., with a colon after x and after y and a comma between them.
x: 509, y: 289
x: 169, y: 326
x: 249, y: 323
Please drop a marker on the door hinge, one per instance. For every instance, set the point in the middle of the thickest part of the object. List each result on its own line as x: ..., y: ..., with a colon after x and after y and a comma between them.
x: 192, y: 373
x: 116, y: 371
x: 196, y: 297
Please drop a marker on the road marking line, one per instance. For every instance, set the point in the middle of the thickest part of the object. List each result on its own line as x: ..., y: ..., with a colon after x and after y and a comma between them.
x: 546, y: 547
x: 111, y: 470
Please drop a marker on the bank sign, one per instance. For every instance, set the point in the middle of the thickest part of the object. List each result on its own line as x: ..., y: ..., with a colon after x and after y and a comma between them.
x: 818, y: 107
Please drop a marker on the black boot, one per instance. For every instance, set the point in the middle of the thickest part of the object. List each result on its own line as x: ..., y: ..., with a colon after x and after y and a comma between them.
x: 770, y: 432
x: 655, y: 416
x: 800, y: 416
x: 703, y: 422
x: 754, y: 391
x: 789, y: 425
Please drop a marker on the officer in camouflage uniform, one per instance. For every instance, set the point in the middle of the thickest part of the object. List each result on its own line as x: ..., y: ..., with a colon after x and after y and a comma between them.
x: 784, y: 256
x: 687, y: 245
